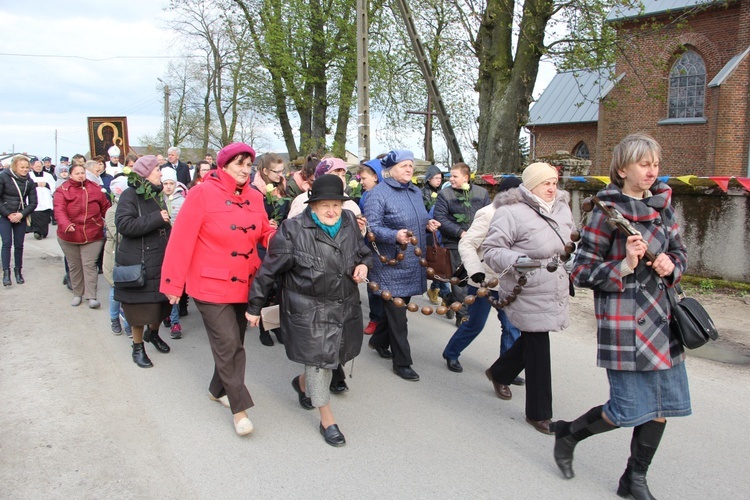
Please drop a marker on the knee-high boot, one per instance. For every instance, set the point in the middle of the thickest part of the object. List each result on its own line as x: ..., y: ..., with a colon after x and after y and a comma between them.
x: 569, y: 434
x: 646, y: 439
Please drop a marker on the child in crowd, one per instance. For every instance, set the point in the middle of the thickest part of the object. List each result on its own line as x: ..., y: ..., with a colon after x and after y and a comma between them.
x: 174, y: 196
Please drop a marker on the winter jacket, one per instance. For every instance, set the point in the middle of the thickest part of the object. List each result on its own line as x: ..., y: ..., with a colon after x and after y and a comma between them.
x: 429, y: 193
x: 320, y: 312
x: 83, y: 204
x: 10, y: 201
x: 144, y: 234
x: 108, y: 260
x: 518, y: 230
x: 295, y: 186
x: 470, y: 246
x: 182, y: 170
x: 632, y: 311
x: 43, y: 193
x: 390, y: 207
x: 213, y: 245
x: 448, y: 205
x: 175, y: 200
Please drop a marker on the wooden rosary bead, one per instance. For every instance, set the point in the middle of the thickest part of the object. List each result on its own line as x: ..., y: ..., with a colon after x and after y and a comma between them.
x: 414, y: 241
x: 422, y: 262
x: 409, y: 233
x: 456, y: 306
x: 426, y: 310
x: 493, y: 282
x: 441, y: 310
x: 522, y: 280
x: 392, y: 262
x: 383, y: 259
x: 412, y: 307
x: 552, y: 266
x: 398, y: 302
x: 373, y: 286
x: 386, y: 295
x: 511, y: 297
x: 417, y: 251
x: 482, y: 292
x: 565, y: 257
x: 454, y: 280
x: 400, y: 256
x: 469, y: 300
x: 430, y: 272
x: 371, y: 237
x: 587, y: 205
x: 570, y: 247
x: 517, y: 289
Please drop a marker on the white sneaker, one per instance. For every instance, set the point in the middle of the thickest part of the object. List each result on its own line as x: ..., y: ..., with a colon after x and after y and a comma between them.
x: 243, y: 427
x: 76, y: 301
x: 94, y: 304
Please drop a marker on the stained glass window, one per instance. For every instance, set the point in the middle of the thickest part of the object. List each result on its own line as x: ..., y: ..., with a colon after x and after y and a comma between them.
x: 687, y: 86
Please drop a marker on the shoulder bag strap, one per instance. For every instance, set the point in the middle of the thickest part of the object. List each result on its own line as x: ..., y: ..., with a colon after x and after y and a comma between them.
x: 539, y: 213
x: 20, y: 196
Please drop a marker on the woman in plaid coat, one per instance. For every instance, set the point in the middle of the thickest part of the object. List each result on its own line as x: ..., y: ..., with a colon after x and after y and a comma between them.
x: 645, y: 364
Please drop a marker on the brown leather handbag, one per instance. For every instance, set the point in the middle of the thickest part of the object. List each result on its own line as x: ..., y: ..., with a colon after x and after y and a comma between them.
x: 439, y: 259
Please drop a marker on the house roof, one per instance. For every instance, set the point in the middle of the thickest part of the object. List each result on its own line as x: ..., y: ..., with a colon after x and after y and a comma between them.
x: 572, y: 97
x: 728, y: 68
x: 654, y: 7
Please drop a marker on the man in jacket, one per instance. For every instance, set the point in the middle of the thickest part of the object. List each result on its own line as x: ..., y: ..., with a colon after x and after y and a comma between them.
x: 455, y: 209
x: 173, y: 161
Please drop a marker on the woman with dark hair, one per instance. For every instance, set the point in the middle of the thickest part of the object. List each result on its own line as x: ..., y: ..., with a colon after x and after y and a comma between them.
x: 17, y: 202
x: 300, y: 181
x: 319, y: 257
x: 80, y: 207
x: 212, y: 252
x: 201, y: 171
x: 645, y: 363
x: 143, y: 225
x: 270, y: 182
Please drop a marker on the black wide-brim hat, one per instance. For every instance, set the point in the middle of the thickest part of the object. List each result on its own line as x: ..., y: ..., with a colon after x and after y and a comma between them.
x: 327, y: 187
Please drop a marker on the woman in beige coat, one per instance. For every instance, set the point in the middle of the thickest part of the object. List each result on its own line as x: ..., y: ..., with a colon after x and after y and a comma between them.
x: 116, y: 187
x: 534, y: 222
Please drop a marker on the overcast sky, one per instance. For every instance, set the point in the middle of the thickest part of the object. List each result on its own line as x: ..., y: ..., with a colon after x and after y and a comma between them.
x: 115, y: 51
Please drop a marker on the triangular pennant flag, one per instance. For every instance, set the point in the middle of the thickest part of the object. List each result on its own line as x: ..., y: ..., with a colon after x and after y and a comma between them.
x: 578, y: 178
x: 745, y: 181
x: 664, y: 178
x: 685, y: 178
x: 489, y: 179
x: 601, y: 178
x: 722, y: 182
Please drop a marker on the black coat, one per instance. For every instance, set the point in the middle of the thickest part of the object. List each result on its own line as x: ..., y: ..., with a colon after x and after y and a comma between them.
x: 154, y: 231
x: 10, y: 202
x: 320, y: 311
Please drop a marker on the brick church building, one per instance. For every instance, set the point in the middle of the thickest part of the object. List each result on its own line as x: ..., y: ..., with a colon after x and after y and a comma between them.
x: 686, y: 84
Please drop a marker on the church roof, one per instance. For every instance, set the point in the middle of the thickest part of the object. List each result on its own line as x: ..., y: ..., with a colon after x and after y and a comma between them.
x: 728, y: 68
x: 654, y: 7
x: 572, y: 97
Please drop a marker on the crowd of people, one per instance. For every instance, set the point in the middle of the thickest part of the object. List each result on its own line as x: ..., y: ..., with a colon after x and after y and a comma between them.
x: 248, y: 242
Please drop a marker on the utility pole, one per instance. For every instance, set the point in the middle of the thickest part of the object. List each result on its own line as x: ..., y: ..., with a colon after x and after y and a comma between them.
x: 428, y: 153
x: 166, y: 116
x: 363, y: 82
x: 56, y: 157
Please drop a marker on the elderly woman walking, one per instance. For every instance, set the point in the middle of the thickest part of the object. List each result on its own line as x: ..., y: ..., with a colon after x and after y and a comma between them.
x: 319, y: 257
x: 395, y: 209
x: 212, y: 253
x: 532, y: 221
x: 645, y: 363
x: 143, y: 224
x: 80, y: 207
x: 17, y: 202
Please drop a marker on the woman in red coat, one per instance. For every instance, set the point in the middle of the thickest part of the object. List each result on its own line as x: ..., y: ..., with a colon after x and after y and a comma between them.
x: 80, y: 206
x: 212, y: 251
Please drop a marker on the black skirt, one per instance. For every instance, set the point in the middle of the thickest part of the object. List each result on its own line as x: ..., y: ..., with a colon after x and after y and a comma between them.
x: 146, y: 314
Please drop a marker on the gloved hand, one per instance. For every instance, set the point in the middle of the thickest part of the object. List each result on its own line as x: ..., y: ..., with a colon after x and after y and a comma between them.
x: 477, y: 277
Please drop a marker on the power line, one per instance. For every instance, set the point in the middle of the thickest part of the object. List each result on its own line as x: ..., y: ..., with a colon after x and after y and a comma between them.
x: 58, y: 56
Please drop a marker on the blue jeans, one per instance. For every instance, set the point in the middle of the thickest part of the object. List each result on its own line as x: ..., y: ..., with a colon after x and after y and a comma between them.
x: 174, y: 315
x: 12, y: 236
x: 114, y: 308
x: 468, y: 331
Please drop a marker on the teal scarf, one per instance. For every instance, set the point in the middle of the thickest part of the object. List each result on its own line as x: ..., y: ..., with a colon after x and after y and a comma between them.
x: 331, y: 231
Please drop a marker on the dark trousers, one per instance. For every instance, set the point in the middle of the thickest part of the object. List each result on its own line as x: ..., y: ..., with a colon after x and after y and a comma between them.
x: 40, y: 222
x: 458, y: 293
x: 225, y: 325
x: 376, y: 307
x: 393, y: 333
x: 531, y: 352
x: 12, y: 236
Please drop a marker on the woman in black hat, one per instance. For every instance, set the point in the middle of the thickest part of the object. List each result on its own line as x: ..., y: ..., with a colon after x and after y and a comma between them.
x: 320, y: 258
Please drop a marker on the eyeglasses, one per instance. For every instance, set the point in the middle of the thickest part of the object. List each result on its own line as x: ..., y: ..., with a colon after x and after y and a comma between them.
x: 277, y: 171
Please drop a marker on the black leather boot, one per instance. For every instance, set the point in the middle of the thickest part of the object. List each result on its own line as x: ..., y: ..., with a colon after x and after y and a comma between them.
x: 569, y: 434
x: 646, y: 439
x: 6, y: 277
x: 265, y: 337
x: 153, y: 337
x: 140, y: 357
x: 279, y: 335
x: 19, y: 276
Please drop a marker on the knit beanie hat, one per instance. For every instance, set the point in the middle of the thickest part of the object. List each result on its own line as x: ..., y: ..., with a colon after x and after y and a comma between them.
x: 145, y: 165
x: 536, y: 173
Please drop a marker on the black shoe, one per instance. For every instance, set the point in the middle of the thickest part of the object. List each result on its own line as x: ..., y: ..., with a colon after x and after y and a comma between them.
x: 453, y: 365
x: 406, y: 373
x: 332, y: 435
x: 304, y: 401
x: 339, y: 387
x: 461, y: 319
x: 265, y: 337
x: 153, y: 337
x: 140, y: 357
x: 518, y: 381
x: 167, y: 322
x: 183, y: 311
x: 6, y: 278
x: 116, y: 326
x: 383, y: 352
x: 37, y: 236
x: 19, y: 276
x: 279, y: 335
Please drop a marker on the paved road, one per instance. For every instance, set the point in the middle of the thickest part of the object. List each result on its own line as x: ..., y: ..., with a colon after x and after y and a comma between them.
x: 79, y: 420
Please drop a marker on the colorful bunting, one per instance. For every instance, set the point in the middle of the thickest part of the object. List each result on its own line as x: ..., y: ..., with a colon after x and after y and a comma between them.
x: 686, y: 178
x: 489, y: 179
x: 601, y: 178
x: 664, y: 178
x: 744, y: 181
x: 722, y: 182
x: 578, y: 178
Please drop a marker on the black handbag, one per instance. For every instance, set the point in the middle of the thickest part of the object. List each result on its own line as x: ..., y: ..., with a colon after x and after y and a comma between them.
x: 690, y: 323
x: 133, y: 276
